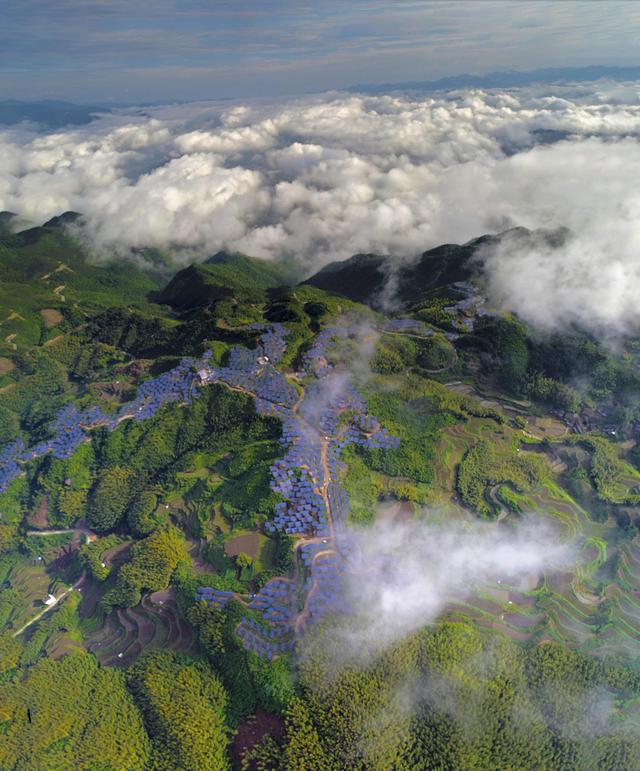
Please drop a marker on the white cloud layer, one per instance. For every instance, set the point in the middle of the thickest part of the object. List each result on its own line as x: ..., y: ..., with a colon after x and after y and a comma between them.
x: 323, y: 178
x: 403, y: 576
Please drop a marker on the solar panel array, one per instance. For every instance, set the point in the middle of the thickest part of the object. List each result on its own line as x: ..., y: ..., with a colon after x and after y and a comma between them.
x: 325, y: 568
x: 332, y: 412
x: 216, y: 597
x: 471, y: 305
x: 9, y: 463
x: 266, y: 641
x: 298, y: 478
x: 325, y: 588
x: 339, y: 414
x: 254, y: 371
x: 272, y: 342
x: 179, y: 385
x: 315, y: 360
x: 70, y: 426
x: 339, y: 503
x: 308, y: 552
x: 276, y: 601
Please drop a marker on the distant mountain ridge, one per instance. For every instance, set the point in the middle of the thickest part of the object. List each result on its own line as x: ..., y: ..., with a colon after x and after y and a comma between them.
x: 48, y: 113
x: 238, y: 278
x: 364, y: 277
x: 512, y: 79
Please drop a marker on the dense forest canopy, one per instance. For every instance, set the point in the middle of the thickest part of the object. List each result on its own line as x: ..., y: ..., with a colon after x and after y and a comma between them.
x: 166, y: 549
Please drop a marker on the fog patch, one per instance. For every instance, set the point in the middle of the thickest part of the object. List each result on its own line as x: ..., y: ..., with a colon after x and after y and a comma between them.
x: 402, y: 576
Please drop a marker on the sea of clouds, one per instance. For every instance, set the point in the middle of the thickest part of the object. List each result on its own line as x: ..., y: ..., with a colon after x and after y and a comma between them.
x: 324, y: 177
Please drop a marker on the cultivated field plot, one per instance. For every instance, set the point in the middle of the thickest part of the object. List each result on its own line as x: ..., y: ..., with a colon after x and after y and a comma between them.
x: 118, y: 637
x: 24, y: 587
x: 595, y: 607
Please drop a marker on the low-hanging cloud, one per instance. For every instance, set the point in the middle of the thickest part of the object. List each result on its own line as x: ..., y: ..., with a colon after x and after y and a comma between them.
x: 402, y: 576
x: 322, y: 178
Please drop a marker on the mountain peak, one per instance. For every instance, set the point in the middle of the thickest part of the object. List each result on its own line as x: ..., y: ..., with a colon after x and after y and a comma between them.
x: 66, y: 218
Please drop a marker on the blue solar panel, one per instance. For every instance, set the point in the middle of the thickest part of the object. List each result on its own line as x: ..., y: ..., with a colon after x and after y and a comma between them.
x: 330, y: 412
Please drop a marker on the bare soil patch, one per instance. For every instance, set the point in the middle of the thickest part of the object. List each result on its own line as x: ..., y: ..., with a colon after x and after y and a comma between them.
x: 248, y: 543
x: 394, y: 511
x: 51, y: 317
x: 117, y: 555
x: 6, y: 365
x: 39, y: 519
x: 252, y: 732
x: 200, y: 565
x: 113, y: 390
x: 92, y: 591
x: 546, y: 427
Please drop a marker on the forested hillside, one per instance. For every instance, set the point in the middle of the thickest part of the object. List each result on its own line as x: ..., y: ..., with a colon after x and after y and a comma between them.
x: 193, y: 463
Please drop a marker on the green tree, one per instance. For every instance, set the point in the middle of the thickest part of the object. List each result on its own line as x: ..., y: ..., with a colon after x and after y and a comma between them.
x: 152, y: 563
x: 91, y: 556
x: 243, y: 560
x: 71, y: 505
x: 140, y: 513
x: 436, y: 353
x: 266, y: 755
x: 71, y: 713
x: 303, y: 750
x: 9, y: 425
x: 209, y: 621
x: 184, y: 704
x: 109, y: 498
x: 10, y: 649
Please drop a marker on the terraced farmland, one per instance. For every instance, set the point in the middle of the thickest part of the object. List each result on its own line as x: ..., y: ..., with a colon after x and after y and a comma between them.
x: 29, y: 585
x: 593, y: 608
x: 120, y: 636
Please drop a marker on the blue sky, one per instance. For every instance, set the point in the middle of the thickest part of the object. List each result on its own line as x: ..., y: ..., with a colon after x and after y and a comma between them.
x: 137, y: 50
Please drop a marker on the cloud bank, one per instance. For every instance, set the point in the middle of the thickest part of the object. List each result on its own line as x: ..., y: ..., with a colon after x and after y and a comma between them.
x: 403, y: 576
x: 322, y: 178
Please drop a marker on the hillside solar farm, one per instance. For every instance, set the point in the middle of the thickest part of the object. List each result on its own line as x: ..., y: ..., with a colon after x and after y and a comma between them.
x: 248, y: 521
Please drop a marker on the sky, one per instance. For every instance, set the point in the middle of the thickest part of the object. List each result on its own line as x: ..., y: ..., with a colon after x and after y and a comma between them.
x: 121, y: 51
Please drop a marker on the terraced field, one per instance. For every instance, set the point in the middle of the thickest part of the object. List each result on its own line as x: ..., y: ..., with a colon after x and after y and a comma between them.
x: 30, y: 585
x: 117, y: 638
x: 60, y: 643
x: 593, y: 608
x: 583, y: 609
x: 455, y: 441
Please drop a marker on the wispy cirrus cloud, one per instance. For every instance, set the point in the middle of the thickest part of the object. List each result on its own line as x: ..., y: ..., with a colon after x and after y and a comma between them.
x: 109, y: 50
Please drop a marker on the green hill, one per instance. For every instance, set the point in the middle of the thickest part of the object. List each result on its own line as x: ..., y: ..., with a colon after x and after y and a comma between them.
x: 47, y: 273
x: 222, y: 277
x: 365, y: 276
x: 487, y: 415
